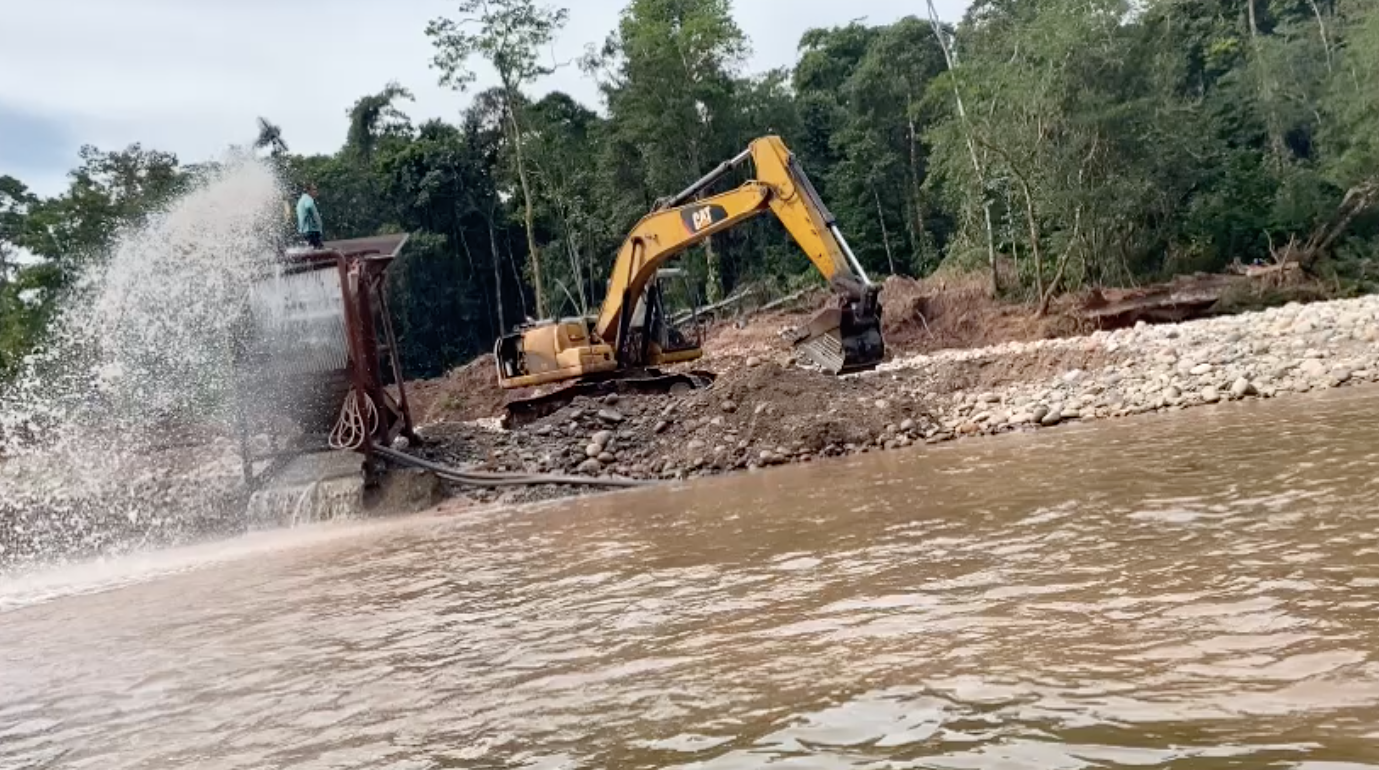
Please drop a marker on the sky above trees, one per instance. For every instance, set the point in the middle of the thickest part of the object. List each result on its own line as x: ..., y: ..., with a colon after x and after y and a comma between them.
x: 191, y: 78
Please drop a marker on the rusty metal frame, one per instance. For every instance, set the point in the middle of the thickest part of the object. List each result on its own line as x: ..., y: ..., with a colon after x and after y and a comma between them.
x: 362, y: 266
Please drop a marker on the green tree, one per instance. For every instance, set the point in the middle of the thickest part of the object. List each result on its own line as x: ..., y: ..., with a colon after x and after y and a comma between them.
x: 109, y: 190
x: 60, y: 235
x: 510, y: 34
x: 270, y: 137
x: 21, y: 301
x: 377, y: 115
x: 864, y: 90
x: 563, y: 137
x: 669, y: 78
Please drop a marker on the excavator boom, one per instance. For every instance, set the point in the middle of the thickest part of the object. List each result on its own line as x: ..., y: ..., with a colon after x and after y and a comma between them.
x: 782, y: 188
x: 630, y: 331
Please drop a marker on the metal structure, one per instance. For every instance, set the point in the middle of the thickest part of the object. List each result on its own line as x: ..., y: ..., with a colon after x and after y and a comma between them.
x: 317, y: 349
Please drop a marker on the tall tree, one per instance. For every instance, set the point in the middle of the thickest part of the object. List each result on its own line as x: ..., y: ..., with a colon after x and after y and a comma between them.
x: 374, y: 115
x: 510, y: 34
x: 15, y: 201
x: 270, y: 138
x: 565, y: 137
x: 866, y: 88
x: 670, y: 82
x: 108, y: 190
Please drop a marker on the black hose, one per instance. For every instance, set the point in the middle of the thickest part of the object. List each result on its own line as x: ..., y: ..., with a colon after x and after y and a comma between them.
x: 496, y: 480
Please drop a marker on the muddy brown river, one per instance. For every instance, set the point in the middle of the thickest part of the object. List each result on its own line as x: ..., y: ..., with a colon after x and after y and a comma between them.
x: 1198, y: 590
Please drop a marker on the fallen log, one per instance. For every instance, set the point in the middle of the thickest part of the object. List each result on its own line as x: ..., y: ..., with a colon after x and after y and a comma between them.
x: 1183, y: 299
x: 783, y: 301
x: 711, y: 309
x: 737, y: 299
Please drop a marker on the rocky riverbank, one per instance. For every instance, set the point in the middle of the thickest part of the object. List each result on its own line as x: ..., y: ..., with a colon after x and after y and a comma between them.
x: 1294, y: 349
x: 771, y: 412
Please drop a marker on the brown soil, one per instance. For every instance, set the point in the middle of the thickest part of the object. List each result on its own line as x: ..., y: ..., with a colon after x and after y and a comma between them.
x: 468, y: 392
x: 751, y: 417
x: 952, y: 313
x: 762, y: 415
x: 918, y: 317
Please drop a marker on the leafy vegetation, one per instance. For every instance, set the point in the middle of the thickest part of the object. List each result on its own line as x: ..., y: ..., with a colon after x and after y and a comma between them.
x: 1079, y: 142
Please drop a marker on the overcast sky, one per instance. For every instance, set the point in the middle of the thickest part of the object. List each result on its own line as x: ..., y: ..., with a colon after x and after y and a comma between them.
x: 191, y: 76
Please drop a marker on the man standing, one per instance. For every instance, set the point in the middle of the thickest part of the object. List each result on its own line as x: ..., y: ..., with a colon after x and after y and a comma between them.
x: 309, y: 218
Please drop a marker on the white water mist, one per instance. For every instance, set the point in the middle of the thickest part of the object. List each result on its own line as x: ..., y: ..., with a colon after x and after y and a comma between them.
x: 137, y: 359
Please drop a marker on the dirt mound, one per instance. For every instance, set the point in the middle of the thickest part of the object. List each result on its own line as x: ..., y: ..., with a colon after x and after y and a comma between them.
x: 802, y: 411
x: 732, y: 342
x: 939, y: 313
x: 918, y: 317
x: 468, y: 392
x: 751, y: 417
x: 952, y: 313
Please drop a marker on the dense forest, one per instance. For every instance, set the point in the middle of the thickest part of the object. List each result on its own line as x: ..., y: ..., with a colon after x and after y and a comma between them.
x: 1074, y: 142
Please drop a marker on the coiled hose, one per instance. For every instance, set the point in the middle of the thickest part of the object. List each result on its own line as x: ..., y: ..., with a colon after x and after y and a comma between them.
x: 497, y: 480
x: 352, y: 429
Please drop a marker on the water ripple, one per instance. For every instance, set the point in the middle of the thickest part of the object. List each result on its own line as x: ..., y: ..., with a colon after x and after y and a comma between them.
x: 1180, y: 592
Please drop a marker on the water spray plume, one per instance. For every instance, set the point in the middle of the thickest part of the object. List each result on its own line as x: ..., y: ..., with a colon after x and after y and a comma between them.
x: 137, y: 365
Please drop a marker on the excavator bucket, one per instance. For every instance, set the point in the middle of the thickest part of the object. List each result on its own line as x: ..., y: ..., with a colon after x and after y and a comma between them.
x: 842, y: 340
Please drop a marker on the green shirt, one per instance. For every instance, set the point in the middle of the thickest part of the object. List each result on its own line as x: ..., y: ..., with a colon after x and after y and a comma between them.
x: 308, y: 217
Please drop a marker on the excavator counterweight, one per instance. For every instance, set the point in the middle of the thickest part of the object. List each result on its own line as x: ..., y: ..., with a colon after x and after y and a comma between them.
x: 632, y: 335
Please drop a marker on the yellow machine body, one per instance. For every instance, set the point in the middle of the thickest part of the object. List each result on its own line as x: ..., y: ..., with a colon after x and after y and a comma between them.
x: 631, y: 332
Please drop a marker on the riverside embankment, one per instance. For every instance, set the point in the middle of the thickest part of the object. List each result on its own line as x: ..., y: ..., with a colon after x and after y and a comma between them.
x: 764, y: 411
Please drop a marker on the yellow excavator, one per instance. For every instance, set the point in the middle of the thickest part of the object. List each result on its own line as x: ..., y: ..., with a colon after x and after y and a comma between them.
x: 633, y: 335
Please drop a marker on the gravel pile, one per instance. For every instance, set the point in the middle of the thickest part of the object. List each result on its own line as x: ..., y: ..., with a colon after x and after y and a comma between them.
x: 1293, y: 349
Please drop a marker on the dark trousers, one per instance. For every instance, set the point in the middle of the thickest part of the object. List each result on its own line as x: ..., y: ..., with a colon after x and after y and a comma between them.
x: 313, y: 240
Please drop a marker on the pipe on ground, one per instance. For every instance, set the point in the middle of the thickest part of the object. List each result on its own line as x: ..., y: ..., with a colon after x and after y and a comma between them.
x: 497, y: 480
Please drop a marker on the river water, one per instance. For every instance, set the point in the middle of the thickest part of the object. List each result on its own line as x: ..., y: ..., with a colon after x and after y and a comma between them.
x: 1194, y: 590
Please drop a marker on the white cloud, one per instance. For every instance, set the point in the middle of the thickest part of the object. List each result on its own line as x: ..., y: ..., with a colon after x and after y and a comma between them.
x: 191, y: 76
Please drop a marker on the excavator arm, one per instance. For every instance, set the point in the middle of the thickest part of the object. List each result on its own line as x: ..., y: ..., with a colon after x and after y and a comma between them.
x: 782, y: 188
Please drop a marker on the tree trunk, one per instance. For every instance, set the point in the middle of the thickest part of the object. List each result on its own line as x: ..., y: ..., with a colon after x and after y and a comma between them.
x: 714, y: 291
x: 516, y: 276
x: 1326, y: 40
x: 885, y: 234
x: 991, y: 251
x: 573, y: 253
x: 474, y: 274
x: 529, y: 212
x: 920, y: 232
x: 952, y: 63
x: 497, y: 274
x: 1266, y: 89
x: 1034, y: 240
x: 1047, y: 295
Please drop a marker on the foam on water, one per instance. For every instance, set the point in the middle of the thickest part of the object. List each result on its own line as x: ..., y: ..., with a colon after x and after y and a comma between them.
x: 95, y: 432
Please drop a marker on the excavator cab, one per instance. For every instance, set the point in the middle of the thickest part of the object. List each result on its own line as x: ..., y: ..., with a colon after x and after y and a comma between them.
x: 551, y: 352
x: 657, y: 338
